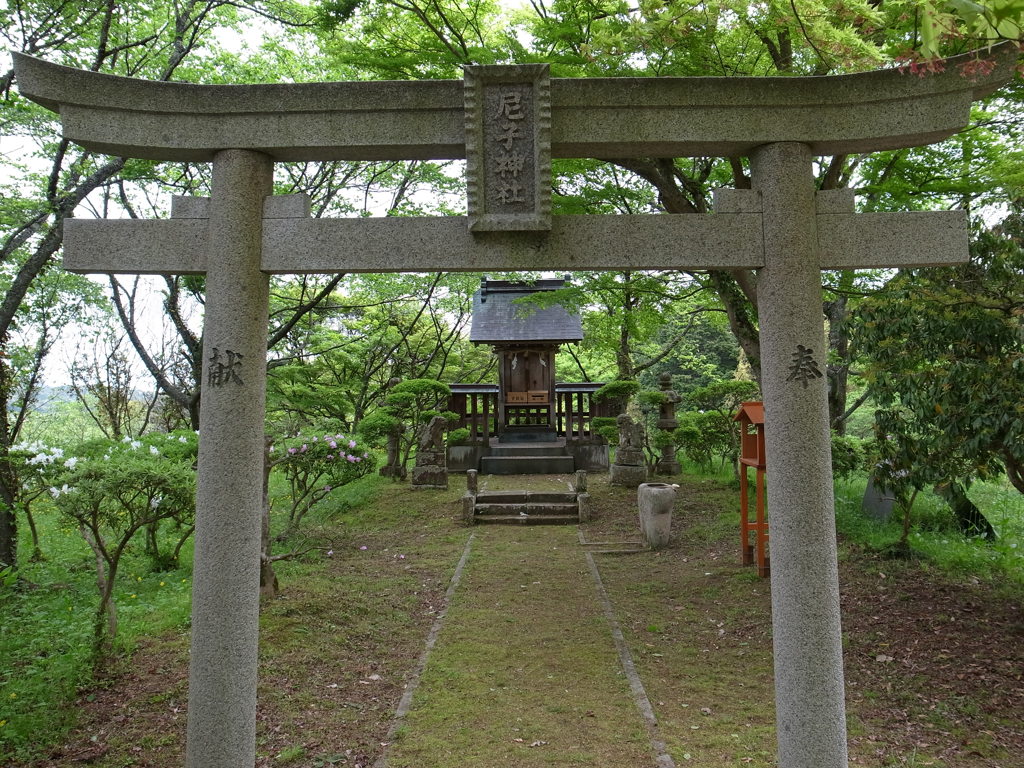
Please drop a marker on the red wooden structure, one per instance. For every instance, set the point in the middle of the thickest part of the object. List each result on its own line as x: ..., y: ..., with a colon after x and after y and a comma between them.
x: 752, y: 454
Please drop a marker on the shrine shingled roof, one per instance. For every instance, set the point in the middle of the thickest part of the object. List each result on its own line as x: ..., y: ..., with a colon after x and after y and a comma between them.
x: 499, y: 318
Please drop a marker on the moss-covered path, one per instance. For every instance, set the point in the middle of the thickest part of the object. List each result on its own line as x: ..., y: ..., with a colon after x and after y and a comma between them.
x: 525, y: 671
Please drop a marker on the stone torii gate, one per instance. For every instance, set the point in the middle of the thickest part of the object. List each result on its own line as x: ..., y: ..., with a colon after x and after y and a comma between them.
x: 508, y: 122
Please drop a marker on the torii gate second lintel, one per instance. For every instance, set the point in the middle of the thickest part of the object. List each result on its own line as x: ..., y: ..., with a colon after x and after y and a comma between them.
x: 782, y: 227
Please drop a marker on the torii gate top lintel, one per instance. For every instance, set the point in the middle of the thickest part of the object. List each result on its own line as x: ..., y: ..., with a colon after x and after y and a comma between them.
x: 593, y: 117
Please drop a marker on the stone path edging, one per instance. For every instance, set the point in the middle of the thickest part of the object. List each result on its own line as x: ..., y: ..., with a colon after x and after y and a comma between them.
x: 662, y: 758
x: 405, y: 703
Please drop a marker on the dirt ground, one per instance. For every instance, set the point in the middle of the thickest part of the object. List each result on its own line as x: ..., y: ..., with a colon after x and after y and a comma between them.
x: 934, y: 666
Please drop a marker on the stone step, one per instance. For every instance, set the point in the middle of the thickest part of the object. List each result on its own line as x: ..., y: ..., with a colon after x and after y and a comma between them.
x: 527, y: 519
x: 527, y: 465
x: 528, y: 509
x: 528, y: 449
x: 525, y: 497
x: 527, y: 435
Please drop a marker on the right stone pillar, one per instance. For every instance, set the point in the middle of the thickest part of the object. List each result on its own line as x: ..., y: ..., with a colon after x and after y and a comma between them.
x: 809, y: 684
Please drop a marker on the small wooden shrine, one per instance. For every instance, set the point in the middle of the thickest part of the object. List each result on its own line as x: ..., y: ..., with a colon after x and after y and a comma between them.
x: 525, y: 338
x: 529, y: 423
x: 752, y: 454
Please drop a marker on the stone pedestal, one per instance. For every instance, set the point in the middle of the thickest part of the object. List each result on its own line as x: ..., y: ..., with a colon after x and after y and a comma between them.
x: 429, y: 476
x: 393, y: 466
x: 628, y: 475
x: 431, y: 470
x: 580, y: 482
x: 629, y: 457
x: 655, y: 501
x: 668, y: 465
x: 878, y: 502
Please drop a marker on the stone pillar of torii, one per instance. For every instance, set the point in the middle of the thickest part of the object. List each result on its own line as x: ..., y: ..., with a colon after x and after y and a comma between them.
x: 508, y: 122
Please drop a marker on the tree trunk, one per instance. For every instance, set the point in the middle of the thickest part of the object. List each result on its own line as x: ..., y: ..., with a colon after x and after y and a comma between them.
x: 37, y: 552
x: 8, y: 476
x: 1014, y: 471
x: 969, y: 518
x: 623, y: 356
x: 838, y: 374
x: 268, y: 579
x: 105, y: 620
x: 741, y: 318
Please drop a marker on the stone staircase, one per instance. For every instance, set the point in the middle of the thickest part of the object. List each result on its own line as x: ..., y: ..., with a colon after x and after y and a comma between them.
x: 528, y: 453
x: 526, y: 508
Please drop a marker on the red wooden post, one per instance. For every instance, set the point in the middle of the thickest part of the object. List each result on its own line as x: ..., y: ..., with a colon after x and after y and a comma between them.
x: 752, y: 454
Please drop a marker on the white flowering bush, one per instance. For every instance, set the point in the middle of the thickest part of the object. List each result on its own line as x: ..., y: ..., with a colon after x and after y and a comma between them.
x: 113, y: 491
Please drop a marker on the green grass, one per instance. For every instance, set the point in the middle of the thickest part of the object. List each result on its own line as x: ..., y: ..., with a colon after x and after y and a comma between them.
x: 46, y: 635
x: 934, y: 537
x: 697, y: 624
x: 45, y: 644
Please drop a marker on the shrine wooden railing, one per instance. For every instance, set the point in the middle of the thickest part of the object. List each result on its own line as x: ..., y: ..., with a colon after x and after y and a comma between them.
x: 477, y: 409
x: 477, y: 406
x: 576, y: 408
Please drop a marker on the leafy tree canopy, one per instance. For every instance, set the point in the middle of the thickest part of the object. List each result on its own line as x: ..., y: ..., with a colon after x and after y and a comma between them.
x: 952, y: 399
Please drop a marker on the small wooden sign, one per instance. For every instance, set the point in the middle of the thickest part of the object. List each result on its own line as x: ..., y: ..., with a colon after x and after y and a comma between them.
x: 508, y: 147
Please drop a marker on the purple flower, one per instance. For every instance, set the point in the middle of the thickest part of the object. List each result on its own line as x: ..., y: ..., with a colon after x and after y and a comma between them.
x: 330, y: 456
x: 327, y: 488
x: 304, y: 447
x: 291, y: 451
x: 351, y: 443
x: 333, y: 444
x: 350, y: 458
x: 364, y: 547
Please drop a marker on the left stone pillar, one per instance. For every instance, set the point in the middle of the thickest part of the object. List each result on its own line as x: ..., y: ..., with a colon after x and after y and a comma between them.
x: 225, y: 589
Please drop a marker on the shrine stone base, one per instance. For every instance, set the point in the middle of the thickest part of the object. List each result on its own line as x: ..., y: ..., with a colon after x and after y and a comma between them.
x: 429, y: 476
x: 628, y: 475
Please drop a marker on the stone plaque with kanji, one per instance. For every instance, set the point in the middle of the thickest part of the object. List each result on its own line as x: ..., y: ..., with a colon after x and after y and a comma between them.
x: 508, y: 147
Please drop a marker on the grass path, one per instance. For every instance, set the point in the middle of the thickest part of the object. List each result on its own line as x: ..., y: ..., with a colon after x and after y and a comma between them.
x: 525, y: 671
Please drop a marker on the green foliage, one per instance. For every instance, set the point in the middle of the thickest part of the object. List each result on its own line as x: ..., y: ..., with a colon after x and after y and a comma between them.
x: 113, y: 494
x: 376, y: 427
x: 722, y: 396
x: 650, y: 399
x: 934, y: 536
x: 618, y: 391
x: 847, y: 456
x: 605, y: 427
x: 458, y: 436
x: 704, y: 436
x: 408, y: 407
x: 950, y: 402
x: 706, y: 430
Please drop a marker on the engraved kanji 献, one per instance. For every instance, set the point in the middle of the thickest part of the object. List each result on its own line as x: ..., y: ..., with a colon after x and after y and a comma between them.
x: 804, y: 367
x: 224, y: 369
x: 510, y: 106
x: 512, y: 192
x: 510, y: 165
x: 510, y: 132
